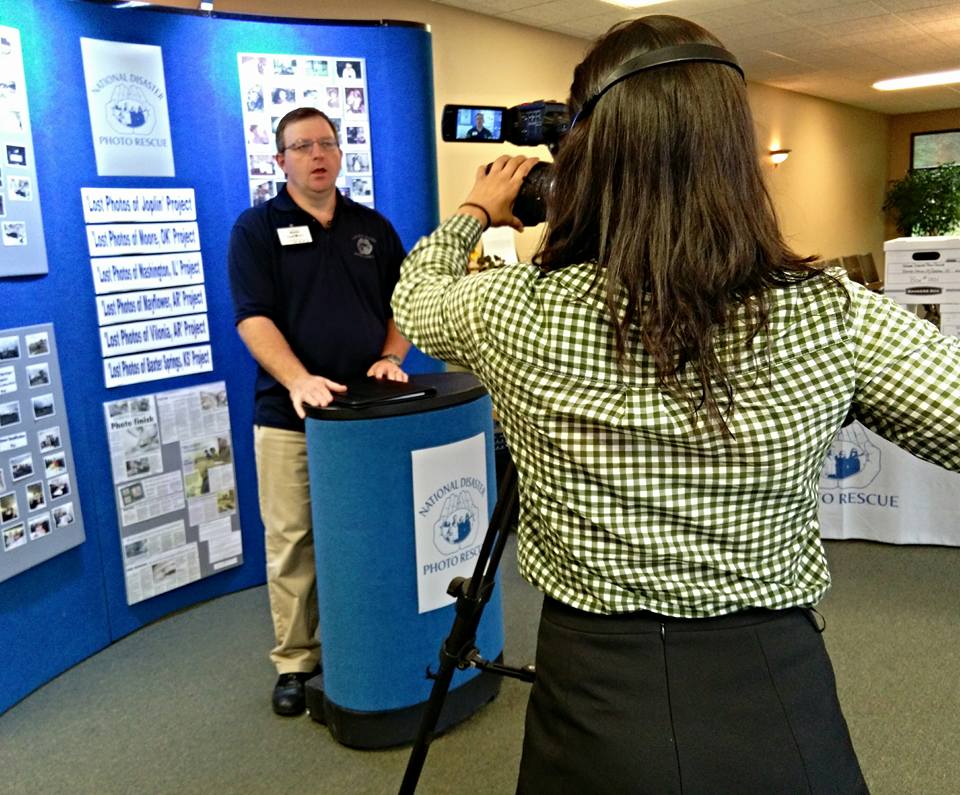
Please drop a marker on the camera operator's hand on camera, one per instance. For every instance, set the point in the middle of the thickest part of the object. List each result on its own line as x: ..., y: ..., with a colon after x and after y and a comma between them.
x: 491, y: 199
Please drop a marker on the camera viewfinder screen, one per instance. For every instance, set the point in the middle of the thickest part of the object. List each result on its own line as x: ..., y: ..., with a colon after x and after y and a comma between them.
x: 479, y: 124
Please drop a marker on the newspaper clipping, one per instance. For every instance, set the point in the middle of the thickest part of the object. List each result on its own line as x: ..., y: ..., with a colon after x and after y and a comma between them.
x: 172, y: 459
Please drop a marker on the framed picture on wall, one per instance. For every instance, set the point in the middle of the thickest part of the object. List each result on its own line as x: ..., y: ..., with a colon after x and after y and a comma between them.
x: 935, y: 148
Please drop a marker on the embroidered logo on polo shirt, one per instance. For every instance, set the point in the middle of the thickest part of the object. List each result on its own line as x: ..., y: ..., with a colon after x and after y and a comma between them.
x: 364, y: 246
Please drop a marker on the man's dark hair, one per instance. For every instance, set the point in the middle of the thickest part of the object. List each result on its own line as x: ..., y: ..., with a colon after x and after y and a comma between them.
x: 298, y: 114
x: 661, y: 187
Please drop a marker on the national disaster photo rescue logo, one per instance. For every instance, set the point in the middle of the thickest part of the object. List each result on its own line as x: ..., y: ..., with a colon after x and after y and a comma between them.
x: 127, y: 103
x: 454, y: 530
x: 450, y: 514
x: 129, y: 111
x: 852, y: 462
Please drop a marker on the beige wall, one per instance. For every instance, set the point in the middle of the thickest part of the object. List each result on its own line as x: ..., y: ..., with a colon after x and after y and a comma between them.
x: 828, y: 194
x: 902, y: 126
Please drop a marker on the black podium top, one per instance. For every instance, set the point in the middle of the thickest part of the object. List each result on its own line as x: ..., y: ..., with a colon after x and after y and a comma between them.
x: 446, y: 389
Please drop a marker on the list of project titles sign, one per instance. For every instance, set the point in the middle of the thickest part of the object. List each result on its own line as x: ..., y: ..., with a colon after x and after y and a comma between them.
x: 147, y: 270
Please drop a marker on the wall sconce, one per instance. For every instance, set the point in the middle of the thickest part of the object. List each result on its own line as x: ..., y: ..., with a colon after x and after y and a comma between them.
x: 206, y: 6
x: 777, y: 156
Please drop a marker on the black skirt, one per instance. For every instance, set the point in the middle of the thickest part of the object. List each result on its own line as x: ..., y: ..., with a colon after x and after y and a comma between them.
x: 643, y: 703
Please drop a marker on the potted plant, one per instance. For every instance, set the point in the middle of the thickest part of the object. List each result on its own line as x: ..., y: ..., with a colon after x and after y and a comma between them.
x: 926, y: 201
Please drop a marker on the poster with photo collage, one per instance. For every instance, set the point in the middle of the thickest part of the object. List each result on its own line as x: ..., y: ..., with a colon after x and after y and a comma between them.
x: 24, y: 250
x: 39, y: 507
x: 272, y: 85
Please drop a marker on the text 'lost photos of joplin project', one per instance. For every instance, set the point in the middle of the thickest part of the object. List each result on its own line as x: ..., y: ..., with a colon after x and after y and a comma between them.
x: 39, y: 510
x: 171, y: 454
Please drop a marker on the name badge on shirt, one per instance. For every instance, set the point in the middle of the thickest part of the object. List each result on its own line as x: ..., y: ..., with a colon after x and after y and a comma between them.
x: 293, y: 235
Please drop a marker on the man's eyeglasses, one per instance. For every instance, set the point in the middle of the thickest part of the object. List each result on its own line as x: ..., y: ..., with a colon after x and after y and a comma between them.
x: 303, y: 146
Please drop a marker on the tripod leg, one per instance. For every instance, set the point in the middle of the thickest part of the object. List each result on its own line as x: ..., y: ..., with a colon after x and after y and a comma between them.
x: 471, y: 599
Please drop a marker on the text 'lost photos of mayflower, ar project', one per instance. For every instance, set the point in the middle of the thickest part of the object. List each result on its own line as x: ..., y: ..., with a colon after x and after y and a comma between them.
x: 39, y: 507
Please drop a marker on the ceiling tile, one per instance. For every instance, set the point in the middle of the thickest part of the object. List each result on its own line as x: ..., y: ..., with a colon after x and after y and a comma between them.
x: 827, y: 48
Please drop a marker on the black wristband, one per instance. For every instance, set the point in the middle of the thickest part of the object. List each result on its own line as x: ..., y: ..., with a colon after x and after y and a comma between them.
x: 482, y: 209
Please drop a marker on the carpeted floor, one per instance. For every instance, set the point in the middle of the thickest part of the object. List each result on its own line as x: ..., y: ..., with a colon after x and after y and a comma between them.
x: 182, y: 706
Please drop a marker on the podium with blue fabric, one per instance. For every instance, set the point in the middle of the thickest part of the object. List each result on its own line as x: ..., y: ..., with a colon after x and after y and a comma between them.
x: 376, y: 645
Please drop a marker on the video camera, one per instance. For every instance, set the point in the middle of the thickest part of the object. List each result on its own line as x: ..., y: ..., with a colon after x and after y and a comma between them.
x: 529, y: 124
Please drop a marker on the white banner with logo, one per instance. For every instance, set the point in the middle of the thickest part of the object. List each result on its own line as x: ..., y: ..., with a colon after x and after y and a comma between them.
x: 871, y: 489
x: 450, y: 515
x: 127, y: 99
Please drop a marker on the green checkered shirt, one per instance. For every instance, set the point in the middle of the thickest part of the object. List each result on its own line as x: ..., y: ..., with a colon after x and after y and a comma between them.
x: 626, y: 503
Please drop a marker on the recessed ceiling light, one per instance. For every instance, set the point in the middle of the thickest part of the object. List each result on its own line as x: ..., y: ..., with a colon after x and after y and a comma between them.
x: 635, y: 3
x: 919, y: 81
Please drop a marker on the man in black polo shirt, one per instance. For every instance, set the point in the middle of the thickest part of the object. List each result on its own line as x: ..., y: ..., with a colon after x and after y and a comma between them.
x: 478, y: 130
x: 311, y: 274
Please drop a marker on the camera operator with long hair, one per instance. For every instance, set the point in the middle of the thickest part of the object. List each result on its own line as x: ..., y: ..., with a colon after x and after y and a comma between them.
x: 670, y: 375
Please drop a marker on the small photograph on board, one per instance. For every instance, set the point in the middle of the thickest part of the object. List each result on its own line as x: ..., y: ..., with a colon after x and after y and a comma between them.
x: 9, y: 348
x: 37, y: 344
x: 38, y: 374
x: 251, y: 65
x: 9, y: 413
x: 349, y: 70
x: 39, y: 526
x: 316, y: 67
x: 14, y: 537
x: 59, y: 486
x: 356, y: 135
x: 282, y: 99
x: 21, y: 467
x: 358, y: 162
x: 54, y: 464
x: 43, y: 406
x: 36, y: 497
x: 260, y: 192
x: 14, y: 233
x: 284, y: 66
x: 19, y: 189
x: 257, y: 133
x: 16, y: 155
x: 361, y: 188
x: 355, y: 101
x: 9, y: 508
x: 333, y: 98
x: 261, y: 166
x: 254, y: 98
x: 63, y: 515
x: 310, y: 97
x: 48, y: 438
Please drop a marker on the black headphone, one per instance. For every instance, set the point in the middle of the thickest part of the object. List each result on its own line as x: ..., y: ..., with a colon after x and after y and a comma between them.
x: 665, y: 55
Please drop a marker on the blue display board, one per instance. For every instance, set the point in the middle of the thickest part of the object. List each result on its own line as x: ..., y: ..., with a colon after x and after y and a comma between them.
x: 59, y: 612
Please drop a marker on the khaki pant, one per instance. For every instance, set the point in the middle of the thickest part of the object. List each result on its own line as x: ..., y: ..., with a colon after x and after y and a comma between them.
x: 284, y: 490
